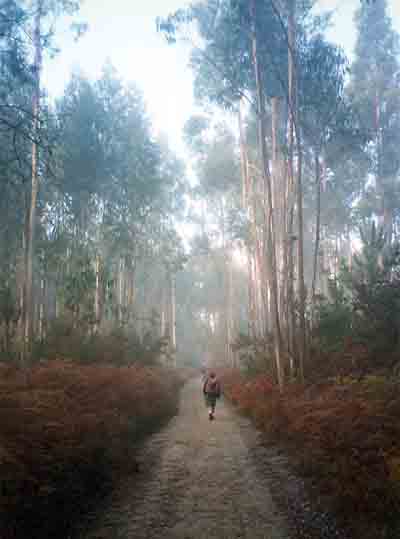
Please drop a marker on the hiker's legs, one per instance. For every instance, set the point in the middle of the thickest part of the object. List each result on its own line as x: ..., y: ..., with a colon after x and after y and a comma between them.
x: 212, y: 399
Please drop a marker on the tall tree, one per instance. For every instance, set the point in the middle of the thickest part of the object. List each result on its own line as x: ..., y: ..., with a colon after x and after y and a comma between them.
x: 376, y: 97
x: 41, y: 10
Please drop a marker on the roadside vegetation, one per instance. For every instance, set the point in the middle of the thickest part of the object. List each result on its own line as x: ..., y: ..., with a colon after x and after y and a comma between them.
x: 68, y: 434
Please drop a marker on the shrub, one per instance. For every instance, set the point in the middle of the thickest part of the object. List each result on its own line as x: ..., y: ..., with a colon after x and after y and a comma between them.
x: 345, y: 436
x: 364, y: 304
x: 333, y: 318
x: 119, y: 346
x: 66, y: 431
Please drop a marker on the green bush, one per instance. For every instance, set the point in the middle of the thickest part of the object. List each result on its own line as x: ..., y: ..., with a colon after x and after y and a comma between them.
x: 119, y: 346
x: 364, y: 302
x: 334, y: 319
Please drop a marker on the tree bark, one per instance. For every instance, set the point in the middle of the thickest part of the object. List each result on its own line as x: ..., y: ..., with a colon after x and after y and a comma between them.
x: 267, y: 182
x: 42, y: 309
x: 247, y: 206
x: 293, y: 106
x: 173, y: 316
x: 317, y: 225
x: 97, y: 300
x: 30, y: 247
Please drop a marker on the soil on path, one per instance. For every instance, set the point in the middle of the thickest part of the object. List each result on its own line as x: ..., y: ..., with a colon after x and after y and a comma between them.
x: 200, y: 479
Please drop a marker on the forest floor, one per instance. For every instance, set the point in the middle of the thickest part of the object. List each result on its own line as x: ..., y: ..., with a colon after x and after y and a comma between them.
x: 209, y: 479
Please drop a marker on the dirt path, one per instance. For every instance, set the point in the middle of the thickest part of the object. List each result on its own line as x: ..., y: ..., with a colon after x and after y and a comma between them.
x: 198, y: 479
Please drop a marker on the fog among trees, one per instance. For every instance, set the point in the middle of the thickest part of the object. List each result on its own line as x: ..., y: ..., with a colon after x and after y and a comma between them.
x: 267, y: 250
x: 274, y: 241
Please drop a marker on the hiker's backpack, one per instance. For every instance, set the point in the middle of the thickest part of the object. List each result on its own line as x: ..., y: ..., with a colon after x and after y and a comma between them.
x: 213, y: 387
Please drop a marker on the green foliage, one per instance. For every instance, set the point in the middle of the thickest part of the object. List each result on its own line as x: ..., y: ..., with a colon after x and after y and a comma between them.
x: 364, y: 303
x: 9, y: 311
x: 121, y: 346
x: 255, y: 354
x: 78, y: 285
x: 333, y: 318
x: 374, y: 281
x: 375, y: 99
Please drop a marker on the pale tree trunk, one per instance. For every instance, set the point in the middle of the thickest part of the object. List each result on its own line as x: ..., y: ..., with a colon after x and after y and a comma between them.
x: 226, y: 308
x: 131, y: 290
x: 279, y: 178
x: 324, y: 272
x: 120, y: 291
x: 97, y: 300
x: 42, y: 309
x: 251, y: 298
x: 385, y: 210
x: 172, y: 282
x: 290, y: 197
x: 300, y: 255
x: 317, y: 226
x: 243, y: 160
x: 163, y: 320
x: 267, y: 182
x: 30, y: 248
x: 291, y: 315
x: 247, y: 205
x: 300, y: 260
x: 260, y: 280
x: 229, y: 308
x: 21, y: 281
x: 232, y: 327
x: 258, y: 277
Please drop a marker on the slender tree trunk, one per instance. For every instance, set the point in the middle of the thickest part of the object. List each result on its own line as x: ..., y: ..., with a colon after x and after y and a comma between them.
x: 267, y: 183
x: 97, y: 300
x: 385, y: 211
x: 251, y: 297
x: 42, y: 309
x: 120, y: 291
x: 280, y: 179
x: 300, y: 255
x: 243, y: 159
x: 21, y: 281
x: 301, y: 283
x: 30, y: 247
x: 173, y: 316
x: 247, y: 206
x: 291, y: 190
x: 317, y: 226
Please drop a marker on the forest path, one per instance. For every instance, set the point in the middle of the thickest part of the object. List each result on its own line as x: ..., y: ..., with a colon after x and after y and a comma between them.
x: 199, y: 479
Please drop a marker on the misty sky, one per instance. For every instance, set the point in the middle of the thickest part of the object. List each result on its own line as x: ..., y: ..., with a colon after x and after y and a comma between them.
x: 124, y: 32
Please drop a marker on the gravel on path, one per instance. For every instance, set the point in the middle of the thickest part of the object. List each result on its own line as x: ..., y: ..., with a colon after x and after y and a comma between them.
x: 202, y: 479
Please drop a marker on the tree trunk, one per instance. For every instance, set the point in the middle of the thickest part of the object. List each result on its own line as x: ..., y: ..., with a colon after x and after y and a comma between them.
x: 97, y: 300
x: 121, y: 291
x: 173, y: 316
x: 300, y: 261
x: 385, y: 212
x: 30, y: 247
x: 267, y: 183
x: 42, y: 310
x: 247, y: 206
x: 317, y: 226
x: 300, y: 255
x: 243, y: 159
x: 279, y: 177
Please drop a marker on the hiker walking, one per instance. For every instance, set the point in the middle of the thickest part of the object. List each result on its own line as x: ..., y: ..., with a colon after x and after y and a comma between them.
x: 212, y: 392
